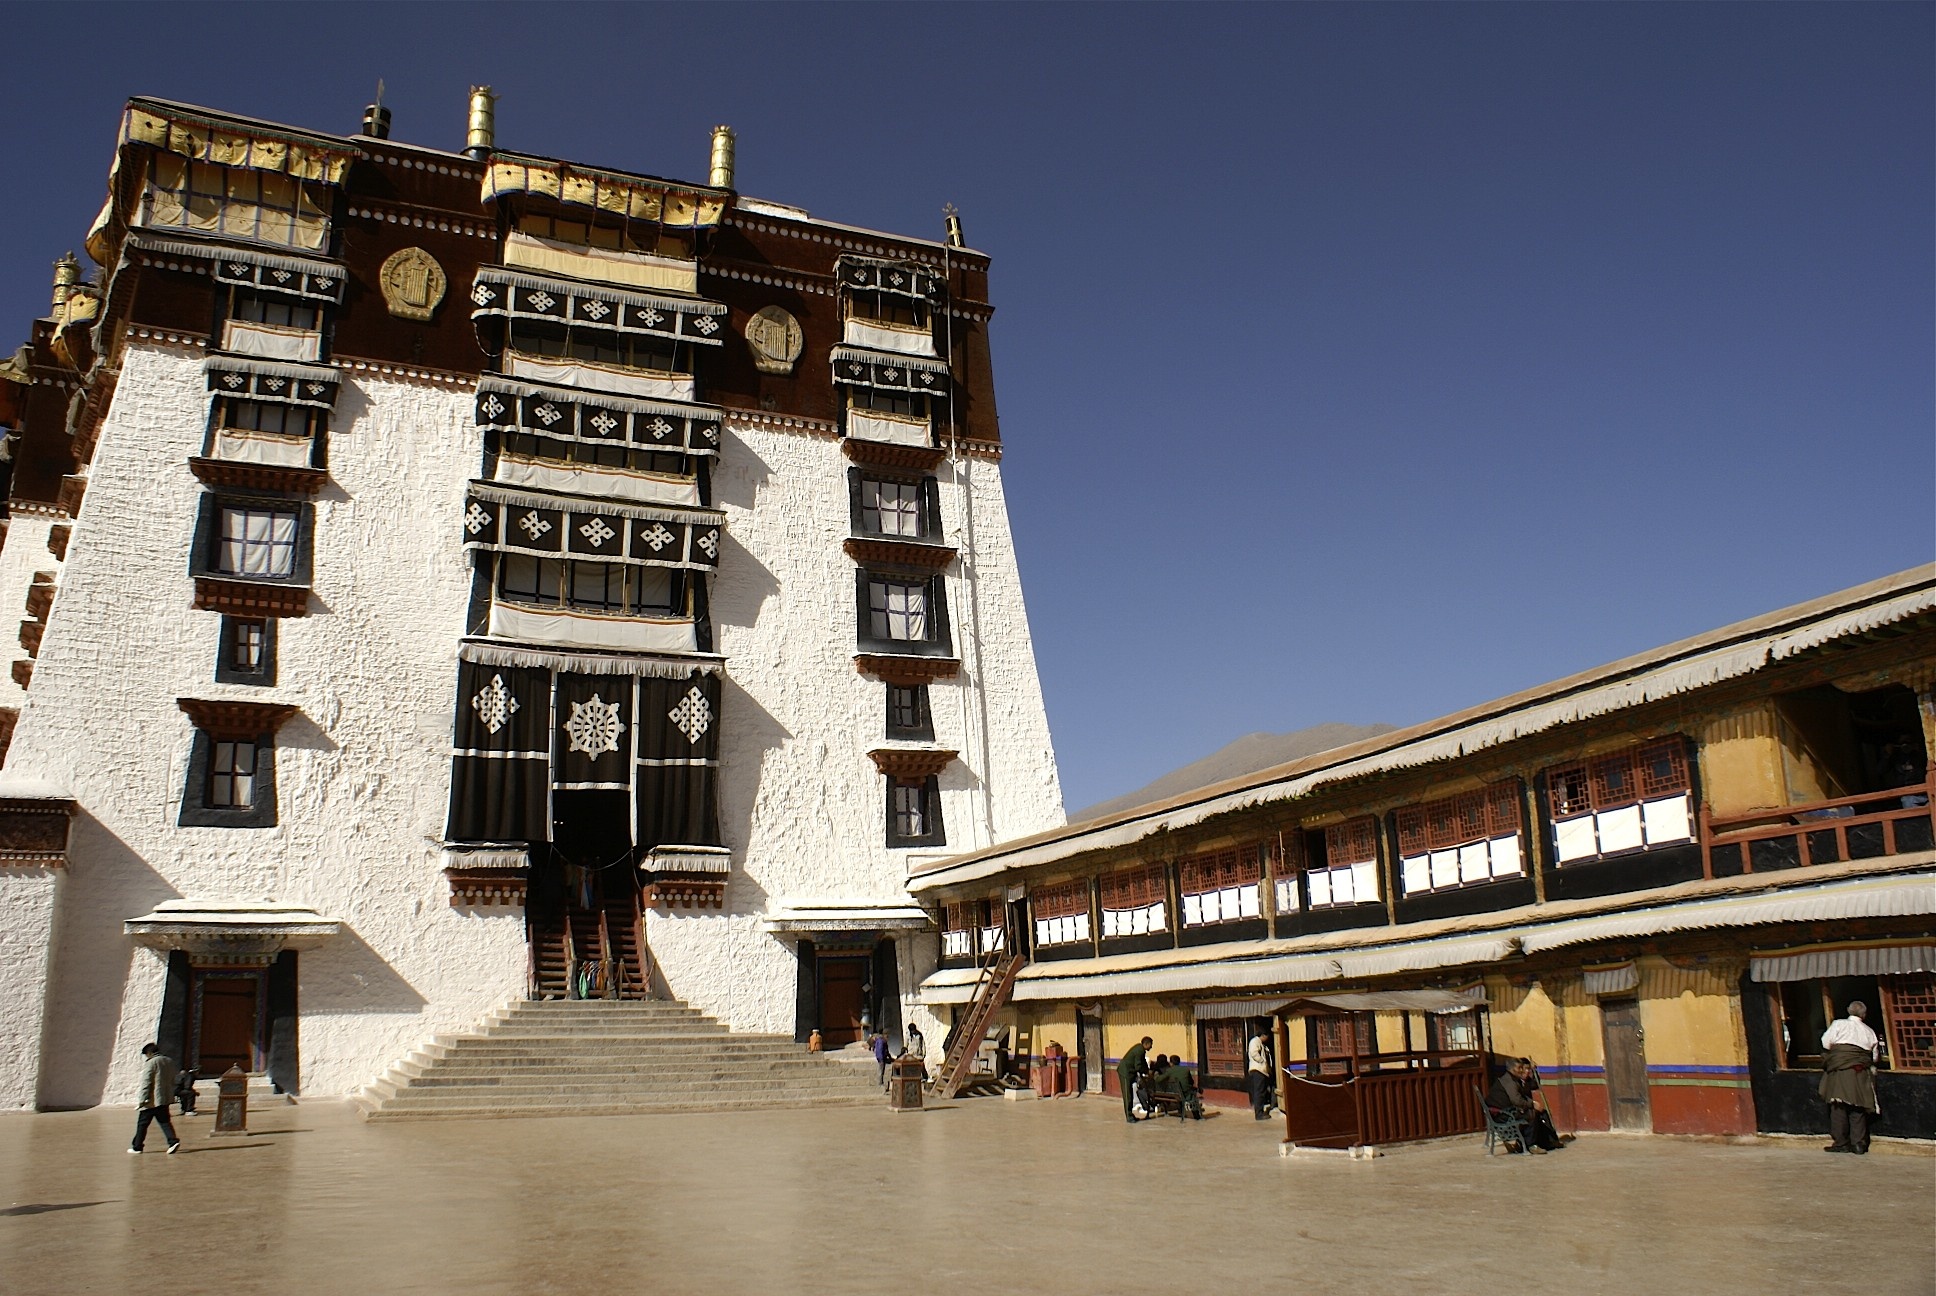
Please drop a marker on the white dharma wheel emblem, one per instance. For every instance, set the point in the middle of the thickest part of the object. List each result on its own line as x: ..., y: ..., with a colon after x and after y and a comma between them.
x: 594, y: 727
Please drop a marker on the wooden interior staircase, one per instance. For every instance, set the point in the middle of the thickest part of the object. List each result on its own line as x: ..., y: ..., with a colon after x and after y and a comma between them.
x: 992, y: 993
x: 613, y: 932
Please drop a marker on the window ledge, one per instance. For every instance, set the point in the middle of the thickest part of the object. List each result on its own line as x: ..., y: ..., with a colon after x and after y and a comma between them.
x: 250, y: 598
x: 889, y: 454
x: 902, y: 553
x: 258, y: 476
x: 236, y: 720
x: 896, y: 669
x: 911, y: 762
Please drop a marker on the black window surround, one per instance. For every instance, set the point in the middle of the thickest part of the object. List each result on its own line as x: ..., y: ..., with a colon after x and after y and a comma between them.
x: 866, y: 516
x: 233, y: 651
x: 909, y: 715
x: 928, y: 790
x: 938, y: 641
x: 205, y: 556
x: 196, y: 808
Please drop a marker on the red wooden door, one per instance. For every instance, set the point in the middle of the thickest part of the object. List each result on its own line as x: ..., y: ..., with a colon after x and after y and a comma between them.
x: 227, y: 1033
x: 841, y: 1000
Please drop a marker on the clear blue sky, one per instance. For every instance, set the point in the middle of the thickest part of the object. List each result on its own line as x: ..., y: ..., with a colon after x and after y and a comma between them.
x: 1355, y: 362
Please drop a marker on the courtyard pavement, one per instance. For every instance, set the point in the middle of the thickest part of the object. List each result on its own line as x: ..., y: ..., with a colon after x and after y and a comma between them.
x: 978, y: 1196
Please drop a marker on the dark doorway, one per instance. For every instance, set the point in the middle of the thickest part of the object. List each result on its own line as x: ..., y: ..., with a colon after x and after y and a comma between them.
x: 843, y: 997
x: 228, y: 1022
x: 1626, y: 1065
x: 1089, y: 1037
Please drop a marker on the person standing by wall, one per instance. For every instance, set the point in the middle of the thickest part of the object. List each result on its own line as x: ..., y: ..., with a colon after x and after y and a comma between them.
x: 1848, y: 1080
x: 1134, y: 1064
x: 1258, y: 1075
x: 156, y: 1092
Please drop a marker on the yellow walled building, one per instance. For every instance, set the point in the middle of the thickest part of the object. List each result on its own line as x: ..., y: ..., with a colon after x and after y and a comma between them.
x: 1660, y: 880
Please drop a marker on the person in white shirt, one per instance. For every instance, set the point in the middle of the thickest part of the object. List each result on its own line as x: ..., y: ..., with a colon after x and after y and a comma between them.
x: 1848, y: 1080
x: 1259, y: 1077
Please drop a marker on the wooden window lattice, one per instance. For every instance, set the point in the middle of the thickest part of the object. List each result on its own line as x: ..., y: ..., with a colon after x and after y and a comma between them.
x: 1608, y: 782
x: 1909, y: 1007
x: 1354, y: 842
x: 1492, y: 811
x: 1067, y: 900
x: 1135, y: 889
x: 1663, y: 769
x: 1232, y: 868
x: 1223, y: 1048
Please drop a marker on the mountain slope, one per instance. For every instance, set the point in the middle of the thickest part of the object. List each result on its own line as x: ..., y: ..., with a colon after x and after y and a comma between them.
x: 1246, y: 755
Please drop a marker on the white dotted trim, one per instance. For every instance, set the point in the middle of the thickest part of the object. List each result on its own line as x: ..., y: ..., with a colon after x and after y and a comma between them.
x: 185, y: 267
x: 784, y: 422
x: 400, y: 371
x: 418, y: 164
x: 922, y: 255
x: 178, y: 339
x: 777, y: 281
x: 418, y: 222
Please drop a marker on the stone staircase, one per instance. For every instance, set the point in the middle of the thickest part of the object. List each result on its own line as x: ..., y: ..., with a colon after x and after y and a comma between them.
x: 602, y: 1057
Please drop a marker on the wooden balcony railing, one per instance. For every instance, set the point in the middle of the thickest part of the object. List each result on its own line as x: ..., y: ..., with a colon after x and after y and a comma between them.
x: 1383, y: 1098
x: 1865, y: 826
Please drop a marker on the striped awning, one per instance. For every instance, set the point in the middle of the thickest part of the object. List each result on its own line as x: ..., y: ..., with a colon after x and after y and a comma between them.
x: 1610, y: 980
x: 1842, y: 961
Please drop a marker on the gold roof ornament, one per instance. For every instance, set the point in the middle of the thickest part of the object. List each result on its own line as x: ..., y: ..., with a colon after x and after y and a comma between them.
x: 722, y: 168
x: 481, y: 136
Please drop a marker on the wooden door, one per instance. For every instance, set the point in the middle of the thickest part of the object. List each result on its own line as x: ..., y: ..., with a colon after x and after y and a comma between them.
x: 842, y: 998
x: 227, y: 1023
x: 1224, y: 1047
x: 1089, y: 1031
x: 1626, y: 1064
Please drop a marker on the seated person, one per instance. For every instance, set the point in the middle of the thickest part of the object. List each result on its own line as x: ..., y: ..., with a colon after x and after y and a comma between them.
x: 1148, y: 1085
x: 1510, y: 1095
x: 1177, y: 1080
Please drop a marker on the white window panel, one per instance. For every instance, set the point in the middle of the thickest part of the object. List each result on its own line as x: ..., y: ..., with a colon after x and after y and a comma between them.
x: 1620, y: 829
x: 1081, y: 922
x: 1286, y: 889
x: 955, y: 944
x: 271, y: 341
x: 1475, y: 862
x: 1364, y: 882
x: 1110, y: 919
x: 1320, y: 882
x: 1247, y: 904
x: 1045, y: 931
x: 1574, y: 839
x: 1505, y: 857
x: 1230, y: 903
x: 1417, y: 871
x: 1667, y: 821
x: 993, y: 938
x: 1445, y: 868
x: 1192, y: 910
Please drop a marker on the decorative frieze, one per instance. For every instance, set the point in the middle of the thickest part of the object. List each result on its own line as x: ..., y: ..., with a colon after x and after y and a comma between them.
x: 893, y: 669
x: 235, y: 720
x: 247, y: 598
x: 258, y: 476
x: 874, y: 552
x: 911, y: 762
x: 33, y: 830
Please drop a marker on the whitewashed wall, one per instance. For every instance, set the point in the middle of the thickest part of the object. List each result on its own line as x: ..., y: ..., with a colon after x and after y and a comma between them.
x: 24, y: 553
x: 362, y: 771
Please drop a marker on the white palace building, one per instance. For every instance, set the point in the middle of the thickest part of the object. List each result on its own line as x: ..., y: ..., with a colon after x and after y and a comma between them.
x: 451, y: 578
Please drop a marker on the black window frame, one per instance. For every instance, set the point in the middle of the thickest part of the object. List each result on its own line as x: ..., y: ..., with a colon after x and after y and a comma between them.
x: 916, y: 710
x: 197, y: 810
x: 565, y: 571
x: 555, y: 340
x: 208, y: 536
x: 928, y: 511
x: 940, y: 633
x: 256, y: 306
x: 228, y: 670
x: 936, y: 832
x: 877, y: 306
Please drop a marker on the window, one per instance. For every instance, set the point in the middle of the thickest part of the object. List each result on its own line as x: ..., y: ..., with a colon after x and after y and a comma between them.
x: 907, y: 712
x: 1460, y: 841
x: 620, y: 589
x: 1348, y: 872
x: 1061, y: 913
x: 876, y: 400
x: 969, y: 926
x: 1902, y: 1013
x: 231, y: 776
x: 235, y: 202
x: 266, y: 308
x: 257, y: 542
x: 1453, y: 1031
x: 1341, y: 1036
x: 631, y: 236
x: 1220, y: 887
x: 267, y: 416
x: 604, y: 454
x: 1909, y: 1012
x: 247, y: 654
x: 898, y: 610
x: 1627, y: 801
x: 600, y: 346
x: 1135, y: 902
x: 914, y: 812
x: 890, y: 508
x: 887, y: 308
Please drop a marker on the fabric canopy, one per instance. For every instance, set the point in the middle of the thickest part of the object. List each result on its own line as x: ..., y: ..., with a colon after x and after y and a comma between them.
x: 290, y: 384
x: 508, y: 294
x: 248, y: 268
x: 1844, y: 961
x: 564, y: 414
x: 871, y: 274
x: 634, y: 197
x: 208, y: 139
x: 510, y: 522
x: 858, y: 367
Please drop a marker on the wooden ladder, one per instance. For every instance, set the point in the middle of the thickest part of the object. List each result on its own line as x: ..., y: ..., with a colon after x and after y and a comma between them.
x: 991, y: 996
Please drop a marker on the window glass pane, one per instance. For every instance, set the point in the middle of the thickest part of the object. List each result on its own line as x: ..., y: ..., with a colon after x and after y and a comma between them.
x: 898, y: 611
x: 257, y: 542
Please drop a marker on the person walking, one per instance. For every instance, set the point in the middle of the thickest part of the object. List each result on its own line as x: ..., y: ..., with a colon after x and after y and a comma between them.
x: 879, y: 1044
x: 156, y: 1092
x: 1848, y: 1080
x: 1134, y: 1064
x: 1259, y: 1077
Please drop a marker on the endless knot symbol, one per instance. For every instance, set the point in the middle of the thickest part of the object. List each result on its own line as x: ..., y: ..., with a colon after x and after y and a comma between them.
x: 892, y: 375
x: 483, y: 296
x: 693, y: 716
x: 897, y: 277
x: 280, y: 276
x: 275, y: 384
x: 597, y: 310
x: 492, y: 407
x: 604, y: 423
x: 534, y: 526
x: 475, y: 518
x: 316, y: 389
x: 494, y: 704
x: 648, y: 317
x: 706, y: 325
x: 597, y: 532
x: 658, y: 427
x: 542, y: 300
x: 233, y: 380
x: 658, y: 537
x: 236, y: 268
x: 709, y: 542
x: 594, y: 727
x: 547, y: 414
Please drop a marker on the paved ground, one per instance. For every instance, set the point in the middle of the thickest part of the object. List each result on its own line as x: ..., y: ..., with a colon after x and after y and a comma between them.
x: 981, y: 1196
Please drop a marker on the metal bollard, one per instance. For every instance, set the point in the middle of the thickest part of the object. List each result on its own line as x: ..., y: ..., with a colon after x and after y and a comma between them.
x: 232, y: 1107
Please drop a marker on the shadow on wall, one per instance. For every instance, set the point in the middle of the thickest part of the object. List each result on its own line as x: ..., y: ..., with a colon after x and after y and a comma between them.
x: 742, y: 587
x: 343, y: 975
x: 88, y: 967
x: 754, y: 733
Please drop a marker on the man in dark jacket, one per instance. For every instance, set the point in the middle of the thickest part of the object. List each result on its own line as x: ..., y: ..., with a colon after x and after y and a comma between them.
x: 156, y: 1092
x: 1510, y: 1094
x: 1848, y: 1080
x: 1134, y: 1064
